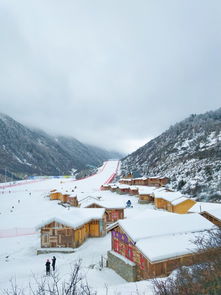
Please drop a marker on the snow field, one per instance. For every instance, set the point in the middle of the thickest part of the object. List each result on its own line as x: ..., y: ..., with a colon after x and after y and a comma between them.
x: 18, y: 257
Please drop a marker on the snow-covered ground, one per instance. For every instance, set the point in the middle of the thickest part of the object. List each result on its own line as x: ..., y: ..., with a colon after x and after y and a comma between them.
x: 25, y: 204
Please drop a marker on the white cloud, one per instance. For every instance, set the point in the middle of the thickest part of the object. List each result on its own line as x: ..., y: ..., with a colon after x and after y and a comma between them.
x: 112, y: 73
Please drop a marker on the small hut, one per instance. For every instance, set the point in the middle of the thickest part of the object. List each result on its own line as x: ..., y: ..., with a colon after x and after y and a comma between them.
x: 146, y: 195
x: 114, y: 210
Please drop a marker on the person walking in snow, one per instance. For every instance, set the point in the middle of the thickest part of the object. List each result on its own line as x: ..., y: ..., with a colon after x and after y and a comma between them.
x: 53, y: 262
x: 128, y: 204
x: 48, y: 267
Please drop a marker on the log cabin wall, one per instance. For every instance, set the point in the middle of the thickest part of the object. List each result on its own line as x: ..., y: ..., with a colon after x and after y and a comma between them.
x: 160, y: 203
x: 134, y: 192
x: 55, y: 235
x: 55, y: 196
x: 114, y: 215
x: 146, y: 198
x: 124, y: 246
x: 97, y: 228
x: 183, y: 207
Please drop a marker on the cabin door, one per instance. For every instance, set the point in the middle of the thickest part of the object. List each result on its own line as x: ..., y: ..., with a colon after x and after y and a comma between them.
x: 94, y: 230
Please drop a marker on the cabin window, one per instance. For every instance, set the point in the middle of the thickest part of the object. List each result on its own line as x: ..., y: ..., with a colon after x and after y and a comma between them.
x: 129, y: 253
x: 45, y: 238
x: 115, y: 215
x: 116, y: 246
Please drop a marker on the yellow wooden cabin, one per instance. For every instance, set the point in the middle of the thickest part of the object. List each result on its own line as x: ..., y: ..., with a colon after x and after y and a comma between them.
x: 145, y: 198
x: 181, y: 205
x: 163, y: 199
x: 55, y: 195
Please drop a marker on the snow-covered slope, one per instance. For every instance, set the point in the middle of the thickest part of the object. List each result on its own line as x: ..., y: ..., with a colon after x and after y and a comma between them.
x: 189, y: 153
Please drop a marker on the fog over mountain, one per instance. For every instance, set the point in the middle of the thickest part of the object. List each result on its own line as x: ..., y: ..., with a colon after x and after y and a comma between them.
x: 24, y: 151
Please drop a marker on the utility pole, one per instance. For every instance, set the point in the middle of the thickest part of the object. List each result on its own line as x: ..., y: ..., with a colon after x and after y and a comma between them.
x: 5, y: 174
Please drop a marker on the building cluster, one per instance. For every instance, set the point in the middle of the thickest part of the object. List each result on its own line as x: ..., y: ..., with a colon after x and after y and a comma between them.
x: 152, y: 190
x: 150, y: 245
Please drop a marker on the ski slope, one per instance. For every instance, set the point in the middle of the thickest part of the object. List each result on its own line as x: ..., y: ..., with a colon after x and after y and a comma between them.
x: 25, y: 204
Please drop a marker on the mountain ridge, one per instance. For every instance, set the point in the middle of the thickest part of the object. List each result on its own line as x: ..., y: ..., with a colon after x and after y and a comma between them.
x: 26, y: 151
x: 189, y: 153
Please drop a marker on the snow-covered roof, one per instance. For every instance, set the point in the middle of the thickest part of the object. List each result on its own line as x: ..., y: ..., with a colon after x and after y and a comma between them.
x: 105, y: 204
x: 179, y: 201
x: 215, y: 213
x: 154, y: 223
x: 133, y: 188
x: 123, y: 186
x: 168, y: 196
x: 160, y: 235
x: 146, y: 190
x: 164, y: 247
x: 75, y: 218
x: 204, y: 206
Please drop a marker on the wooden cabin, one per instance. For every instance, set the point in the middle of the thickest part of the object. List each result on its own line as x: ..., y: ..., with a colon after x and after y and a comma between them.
x: 73, y: 201
x: 73, y: 228
x: 181, y: 205
x: 146, y: 198
x: 55, y: 195
x: 113, y: 188
x: 173, y: 202
x: 134, y: 191
x: 105, y: 187
x: 146, y: 181
x: 163, y: 199
x: 113, y: 212
x: 123, y: 189
x: 64, y: 198
x: 213, y: 216
x: 146, y: 195
x: 145, y: 248
x: 125, y: 181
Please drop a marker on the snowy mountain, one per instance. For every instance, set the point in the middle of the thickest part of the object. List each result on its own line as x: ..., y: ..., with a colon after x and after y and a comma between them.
x: 33, y: 152
x: 189, y: 153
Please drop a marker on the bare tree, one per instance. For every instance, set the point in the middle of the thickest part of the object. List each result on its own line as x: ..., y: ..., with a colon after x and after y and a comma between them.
x: 53, y: 285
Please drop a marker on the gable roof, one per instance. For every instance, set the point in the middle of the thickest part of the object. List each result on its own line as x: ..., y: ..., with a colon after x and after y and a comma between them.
x: 105, y: 204
x: 158, y: 224
x: 168, y: 196
x: 161, y: 235
x: 75, y: 218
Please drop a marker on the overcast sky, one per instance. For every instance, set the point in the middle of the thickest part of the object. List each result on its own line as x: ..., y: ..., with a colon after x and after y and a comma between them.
x: 111, y: 73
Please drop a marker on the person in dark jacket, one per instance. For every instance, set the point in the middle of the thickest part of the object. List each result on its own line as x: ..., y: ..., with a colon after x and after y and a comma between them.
x: 48, y: 267
x: 53, y: 262
x: 128, y: 203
